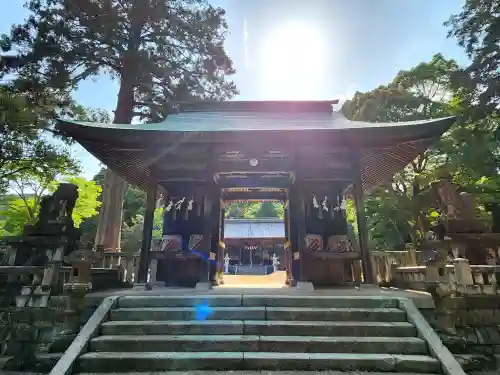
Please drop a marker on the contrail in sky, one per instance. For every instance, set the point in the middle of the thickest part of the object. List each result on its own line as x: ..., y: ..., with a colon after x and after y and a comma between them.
x: 245, y: 42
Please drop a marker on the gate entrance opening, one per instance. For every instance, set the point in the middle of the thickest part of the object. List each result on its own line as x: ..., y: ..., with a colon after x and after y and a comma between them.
x: 254, y: 254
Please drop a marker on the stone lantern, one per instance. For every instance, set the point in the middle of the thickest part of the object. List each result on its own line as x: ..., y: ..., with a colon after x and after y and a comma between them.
x: 78, y: 285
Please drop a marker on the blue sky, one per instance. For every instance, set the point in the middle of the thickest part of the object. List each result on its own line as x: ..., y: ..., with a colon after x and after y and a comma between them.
x: 307, y: 49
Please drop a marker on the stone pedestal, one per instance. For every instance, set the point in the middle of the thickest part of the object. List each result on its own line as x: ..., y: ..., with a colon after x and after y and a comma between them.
x: 305, y: 286
x: 204, y: 285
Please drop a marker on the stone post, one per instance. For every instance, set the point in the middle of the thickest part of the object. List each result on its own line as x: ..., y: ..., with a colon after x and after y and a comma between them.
x: 394, y: 277
x: 463, y: 272
x: 226, y: 263
x: 153, y: 270
x: 275, y: 262
x: 432, y: 271
x: 78, y: 285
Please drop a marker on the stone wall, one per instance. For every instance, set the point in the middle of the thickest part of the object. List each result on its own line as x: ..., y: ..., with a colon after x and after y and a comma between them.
x: 33, y: 339
x: 469, y: 325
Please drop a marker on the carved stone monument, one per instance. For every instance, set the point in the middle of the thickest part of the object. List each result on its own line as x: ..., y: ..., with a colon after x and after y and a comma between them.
x: 459, y: 233
x: 44, y: 244
x: 56, y: 213
x: 458, y: 214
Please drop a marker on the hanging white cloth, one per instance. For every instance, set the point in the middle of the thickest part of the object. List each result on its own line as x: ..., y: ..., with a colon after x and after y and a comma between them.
x: 315, y: 202
x: 169, y: 206
x: 179, y: 204
x: 325, y: 204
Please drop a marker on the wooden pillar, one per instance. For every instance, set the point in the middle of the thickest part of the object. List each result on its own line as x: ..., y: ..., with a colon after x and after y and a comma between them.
x: 147, y: 231
x: 215, y: 232
x: 221, y: 249
x: 297, y: 228
x: 301, y: 212
x: 362, y: 228
x: 223, y: 216
x: 287, y: 252
x: 205, y: 249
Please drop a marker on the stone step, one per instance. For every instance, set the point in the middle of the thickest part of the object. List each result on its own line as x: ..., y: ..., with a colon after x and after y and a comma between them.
x: 180, y: 301
x: 255, y: 301
x: 259, y: 327
x: 163, y: 361
x: 254, y: 343
x: 259, y: 373
x: 260, y: 313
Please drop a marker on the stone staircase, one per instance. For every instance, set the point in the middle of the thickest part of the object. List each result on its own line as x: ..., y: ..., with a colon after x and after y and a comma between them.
x: 223, y: 333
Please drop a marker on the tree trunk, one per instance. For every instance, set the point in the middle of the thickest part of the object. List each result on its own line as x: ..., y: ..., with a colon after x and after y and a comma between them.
x: 111, y: 214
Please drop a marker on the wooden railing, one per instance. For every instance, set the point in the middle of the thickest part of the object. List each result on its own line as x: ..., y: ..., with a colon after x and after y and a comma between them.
x: 384, y: 262
x: 397, y: 268
x: 128, y: 263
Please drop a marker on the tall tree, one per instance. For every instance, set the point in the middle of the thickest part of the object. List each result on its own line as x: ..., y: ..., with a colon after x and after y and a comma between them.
x: 160, y: 51
x: 477, y: 29
x: 24, y: 140
x: 422, y: 92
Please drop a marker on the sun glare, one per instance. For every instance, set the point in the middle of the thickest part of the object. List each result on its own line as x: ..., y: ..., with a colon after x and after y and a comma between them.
x: 294, y: 61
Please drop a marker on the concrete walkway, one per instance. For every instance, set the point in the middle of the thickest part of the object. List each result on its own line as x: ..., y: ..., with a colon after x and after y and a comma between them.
x: 275, y: 280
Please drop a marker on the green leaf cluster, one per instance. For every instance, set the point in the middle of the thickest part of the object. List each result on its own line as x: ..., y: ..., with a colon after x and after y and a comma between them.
x: 469, y: 151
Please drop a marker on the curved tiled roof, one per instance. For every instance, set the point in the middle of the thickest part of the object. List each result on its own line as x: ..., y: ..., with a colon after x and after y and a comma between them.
x: 132, y: 149
x: 210, y: 122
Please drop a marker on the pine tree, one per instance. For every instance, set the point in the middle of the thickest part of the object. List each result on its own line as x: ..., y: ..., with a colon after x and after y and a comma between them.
x: 160, y: 51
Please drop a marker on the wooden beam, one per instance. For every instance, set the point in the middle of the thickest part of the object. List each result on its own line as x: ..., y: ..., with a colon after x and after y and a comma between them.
x: 184, y: 189
x: 253, y: 183
x: 322, y: 162
x: 181, y: 166
x: 263, y: 166
x: 324, y: 175
x: 241, y: 177
x: 254, y: 195
x: 188, y: 176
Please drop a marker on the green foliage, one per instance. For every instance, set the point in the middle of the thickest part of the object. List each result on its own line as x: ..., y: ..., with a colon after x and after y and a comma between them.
x: 470, y: 151
x: 17, y: 213
x: 24, y: 145
x: 132, y: 235
x: 251, y: 210
x: 476, y: 29
x: 87, y: 204
x: 134, y: 203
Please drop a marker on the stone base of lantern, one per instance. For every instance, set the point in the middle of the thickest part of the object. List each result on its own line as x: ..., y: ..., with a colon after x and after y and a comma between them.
x: 204, y: 285
x: 305, y: 286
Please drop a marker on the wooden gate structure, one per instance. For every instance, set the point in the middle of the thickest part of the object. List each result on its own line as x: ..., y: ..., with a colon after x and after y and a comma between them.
x: 302, y: 153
